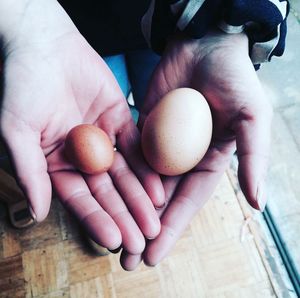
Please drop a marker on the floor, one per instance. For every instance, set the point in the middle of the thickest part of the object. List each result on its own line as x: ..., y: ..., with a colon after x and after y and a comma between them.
x: 226, y: 252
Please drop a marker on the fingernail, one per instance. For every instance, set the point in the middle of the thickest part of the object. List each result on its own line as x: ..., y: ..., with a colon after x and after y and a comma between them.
x: 116, y: 250
x: 33, y: 215
x: 261, y: 198
x: 149, y: 264
x: 150, y: 238
x: 160, y: 207
x: 97, y: 248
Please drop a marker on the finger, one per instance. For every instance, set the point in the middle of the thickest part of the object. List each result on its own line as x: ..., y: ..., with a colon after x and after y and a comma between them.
x: 170, y: 184
x: 30, y: 166
x: 116, y: 251
x: 103, y: 190
x: 130, y: 261
x: 126, y: 132
x: 135, y: 197
x: 253, y: 137
x: 76, y: 197
x: 189, y: 197
x: 128, y: 141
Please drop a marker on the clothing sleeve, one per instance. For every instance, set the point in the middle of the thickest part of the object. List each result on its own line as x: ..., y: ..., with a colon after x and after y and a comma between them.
x: 264, y: 21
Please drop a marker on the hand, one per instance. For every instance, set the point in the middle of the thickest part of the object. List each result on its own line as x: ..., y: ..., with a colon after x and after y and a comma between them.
x: 219, y: 67
x: 52, y: 83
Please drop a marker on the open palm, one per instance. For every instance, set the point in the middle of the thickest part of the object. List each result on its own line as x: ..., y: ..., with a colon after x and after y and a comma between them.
x: 49, y: 88
x: 219, y: 67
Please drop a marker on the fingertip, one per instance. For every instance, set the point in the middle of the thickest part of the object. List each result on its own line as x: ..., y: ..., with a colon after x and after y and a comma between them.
x: 30, y: 165
x: 151, y: 257
x: 253, y: 190
x: 39, y: 197
x: 259, y: 200
x: 133, y: 240
x: 112, y: 244
x: 116, y: 251
x: 136, y: 248
x: 32, y: 213
x: 39, y: 216
x: 102, y: 230
x: 96, y: 248
x: 130, y: 262
x: 154, y: 253
x: 159, y: 195
x: 253, y: 139
x: 155, y: 190
x: 153, y: 229
x: 159, y: 248
x: 253, y: 203
x: 150, y: 263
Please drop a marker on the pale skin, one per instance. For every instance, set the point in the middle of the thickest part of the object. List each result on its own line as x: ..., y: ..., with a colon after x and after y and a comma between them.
x: 218, y: 65
x: 54, y: 80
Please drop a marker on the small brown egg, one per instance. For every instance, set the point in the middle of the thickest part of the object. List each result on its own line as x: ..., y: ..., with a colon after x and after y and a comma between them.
x: 177, y: 132
x: 89, y: 149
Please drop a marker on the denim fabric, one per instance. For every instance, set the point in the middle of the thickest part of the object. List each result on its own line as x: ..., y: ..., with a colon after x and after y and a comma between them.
x: 140, y: 65
x: 117, y: 64
x: 133, y: 72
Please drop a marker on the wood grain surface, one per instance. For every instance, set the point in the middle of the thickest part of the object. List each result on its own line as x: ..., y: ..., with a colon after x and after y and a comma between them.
x: 225, y: 252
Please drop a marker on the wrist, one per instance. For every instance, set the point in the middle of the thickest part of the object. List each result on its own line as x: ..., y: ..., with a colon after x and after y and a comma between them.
x: 27, y: 22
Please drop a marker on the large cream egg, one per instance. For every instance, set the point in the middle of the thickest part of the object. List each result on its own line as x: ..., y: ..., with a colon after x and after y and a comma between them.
x: 177, y: 132
x: 89, y: 149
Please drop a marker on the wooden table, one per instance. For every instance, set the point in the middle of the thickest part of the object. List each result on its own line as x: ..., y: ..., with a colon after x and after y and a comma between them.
x: 226, y: 251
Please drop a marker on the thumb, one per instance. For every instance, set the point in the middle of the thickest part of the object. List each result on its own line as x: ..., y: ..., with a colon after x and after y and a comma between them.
x: 253, y: 137
x: 31, y: 168
x: 169, y: 74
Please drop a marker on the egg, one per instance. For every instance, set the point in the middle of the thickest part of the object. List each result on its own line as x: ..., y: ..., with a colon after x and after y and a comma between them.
x: 177, y: 132
x: 89, y: 149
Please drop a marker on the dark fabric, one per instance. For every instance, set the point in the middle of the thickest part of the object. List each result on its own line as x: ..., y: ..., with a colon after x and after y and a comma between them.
x: 279, y: 49
x: 162, y: 27
x: 261, y: 19
x: 140, y: 66
x: 263, y: 12
x: 110, y: 27
x: 206, y: 17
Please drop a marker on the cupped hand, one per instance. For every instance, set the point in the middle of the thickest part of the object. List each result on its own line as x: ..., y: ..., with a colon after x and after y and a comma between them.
x: 50, y: 86
x: 219, y: 67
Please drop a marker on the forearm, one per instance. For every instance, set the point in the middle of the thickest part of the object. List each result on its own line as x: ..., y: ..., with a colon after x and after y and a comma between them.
x: 24, y: 22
